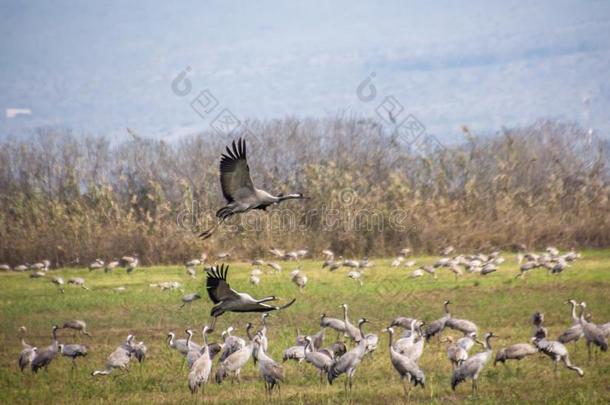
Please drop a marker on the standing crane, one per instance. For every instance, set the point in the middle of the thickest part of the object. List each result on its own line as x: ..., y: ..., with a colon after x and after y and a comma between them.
x: 437, y: 326
x: 472, y: 367
x: 574, y: 332
x: 202, y: 367
x: 238, y: 188
x: 119, y: 358
x: 44, y: 357
x: 28, y: 352
x: 235, y: 361
x: 408, y: 370
x: 271, y: 372
x: 348, y: 363
x: 351, y: 331
x: 593, y: 333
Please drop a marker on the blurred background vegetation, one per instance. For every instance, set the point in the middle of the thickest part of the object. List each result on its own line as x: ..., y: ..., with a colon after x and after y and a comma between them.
x: 68, y: 197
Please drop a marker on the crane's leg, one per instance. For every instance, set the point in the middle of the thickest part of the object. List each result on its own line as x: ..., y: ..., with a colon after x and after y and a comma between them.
x: 404, y: 386
x: 211, y: 329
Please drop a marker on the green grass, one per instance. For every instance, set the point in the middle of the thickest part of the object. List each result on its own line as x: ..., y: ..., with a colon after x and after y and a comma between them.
x: 496, y: 302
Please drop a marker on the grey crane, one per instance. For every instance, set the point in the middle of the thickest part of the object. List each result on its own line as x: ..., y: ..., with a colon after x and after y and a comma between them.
x: 319, y: 359
x: 238, y: 188
x: 437, y: 326
x: 556, y: 351
x: 328, y: 254
x: 271, y: 372
x: 574, y: 332
x: 350, y: 330
x: 402, y: 322
x: 356, y: 276
x: 111, y: 266
x: 231, y: 344
x: 538, y: 322
x: 412, y: 345
x: 406, y: 368
x: 195, y: 350
x: 279, y: 253
x: 299, y: 279
x: 472, y: 367
x: 517, y: 352
x: 348, y: 363
x: 335, y: 350
x: 190, y: 298
x: 235, y: 361
x: 318, y: 339
x: 593, y: 333
x: 254, y: 278
x: 202, y: 367
x: 78, y: 281
x: 28, y: 351
x: 264, y: 342
x: 59, y: 282
x: 463, y: 325
x: 455, y: 353
x: 296, y: 353
x: 44, y: 357
x: 26, y: 356
x: 73, y: 351
x: 227, y: 299
x: 140, y: 350
x: 77, y: 325
x: 119, y: 358
x: 223, y: 255
x: 275, y: 266
x: 97, y: 264
x: 181, y: 345
x: 333, y: 323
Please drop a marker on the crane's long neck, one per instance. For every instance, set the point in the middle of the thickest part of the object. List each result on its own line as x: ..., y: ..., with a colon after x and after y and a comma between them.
x: 390, y: 337
x: 188, y: 340
x: 345, y: 314
x: 488, y: 343
x: 205, y: 337
x: 284, y: 197
x: 170, y: 339
x: 264, y: 328
x: 361, y: 330
x: 574, y: 316
x: 55, y: 335
x: 446, y: 305
x: 582, y: 314
x: 248, y: 332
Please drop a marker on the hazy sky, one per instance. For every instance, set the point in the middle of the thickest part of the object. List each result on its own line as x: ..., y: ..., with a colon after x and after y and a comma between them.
x: 105, y: 66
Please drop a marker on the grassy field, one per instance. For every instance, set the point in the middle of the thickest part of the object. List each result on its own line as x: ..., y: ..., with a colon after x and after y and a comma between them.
x: 496, y: 302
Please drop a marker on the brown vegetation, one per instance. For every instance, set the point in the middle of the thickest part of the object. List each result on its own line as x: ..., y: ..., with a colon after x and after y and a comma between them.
x: 64, y: 196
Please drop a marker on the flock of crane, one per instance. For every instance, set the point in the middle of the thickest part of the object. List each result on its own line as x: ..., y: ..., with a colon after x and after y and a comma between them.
x: 233, y: 352
x: 353, y: 348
